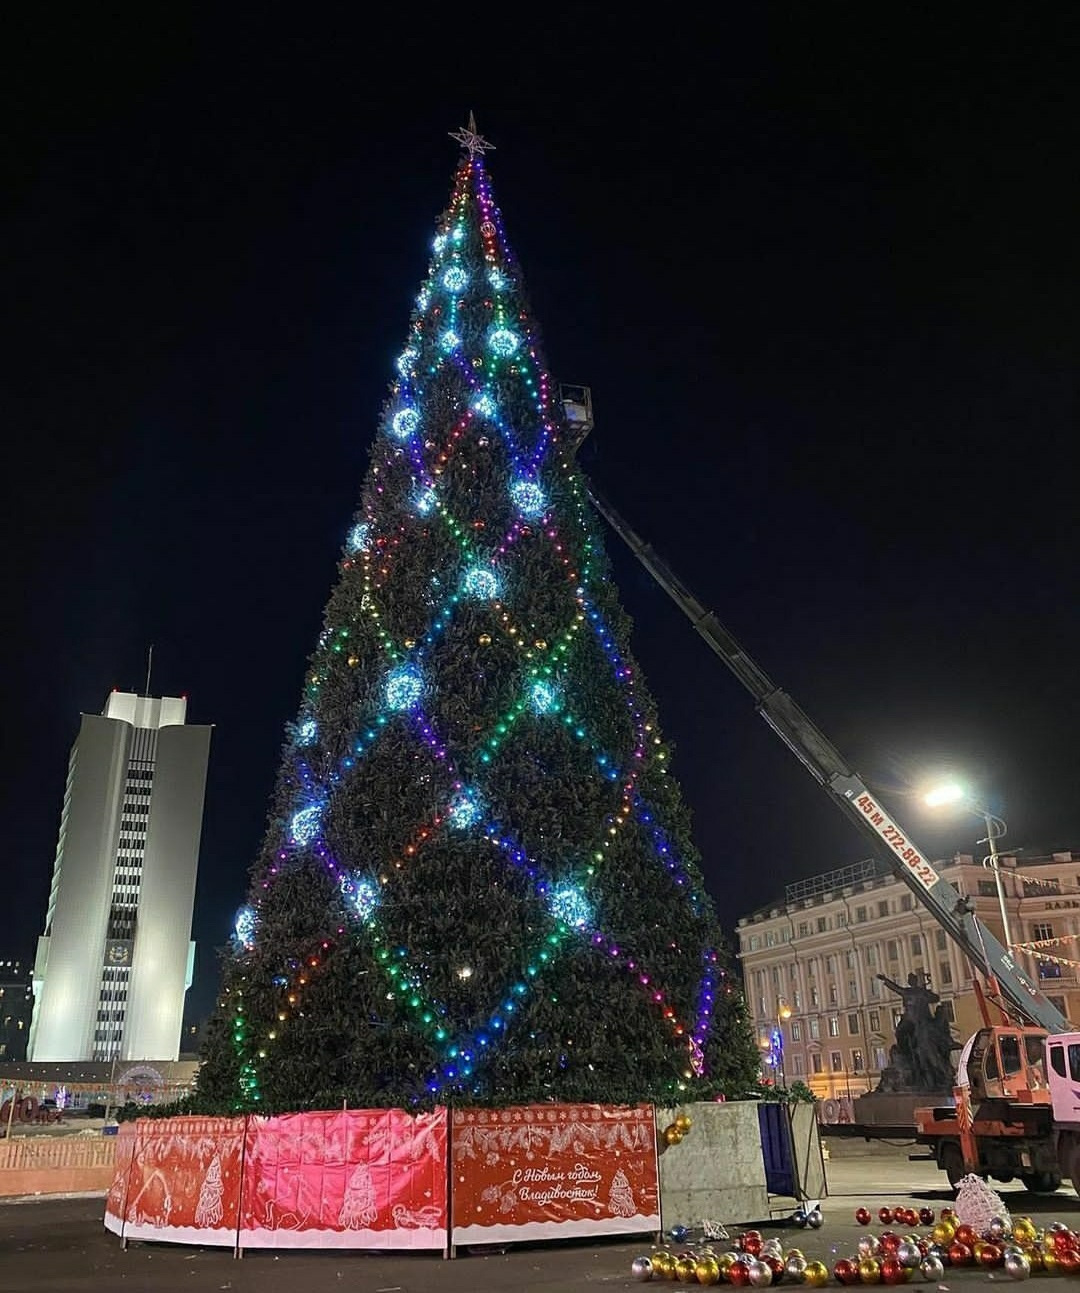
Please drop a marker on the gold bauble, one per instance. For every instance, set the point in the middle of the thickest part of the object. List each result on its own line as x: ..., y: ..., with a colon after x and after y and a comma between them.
x: 541, y: 645
x: 870, y: 1270
x: 816, y: 1274
x: 944, y: 1232
x: 682, y: 1121
x: 484, y: 639
x: 353, y: 662
x: 708, y: 1270
x: 1023, y: 1229
x: 672, y: 1135
x: 686, y: 1270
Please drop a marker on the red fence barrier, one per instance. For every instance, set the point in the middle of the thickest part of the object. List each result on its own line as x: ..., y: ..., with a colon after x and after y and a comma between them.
x: 379, y: 1178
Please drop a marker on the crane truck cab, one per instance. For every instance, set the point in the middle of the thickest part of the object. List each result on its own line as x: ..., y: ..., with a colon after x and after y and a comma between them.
x: 1005, y: 1062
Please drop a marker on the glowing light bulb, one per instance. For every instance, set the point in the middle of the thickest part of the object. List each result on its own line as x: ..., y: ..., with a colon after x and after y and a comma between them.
x: 529, y: 498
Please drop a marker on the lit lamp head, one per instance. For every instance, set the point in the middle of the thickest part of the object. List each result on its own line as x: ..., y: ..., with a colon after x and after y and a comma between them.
x: 784, y: 1012
x: 949, y: 793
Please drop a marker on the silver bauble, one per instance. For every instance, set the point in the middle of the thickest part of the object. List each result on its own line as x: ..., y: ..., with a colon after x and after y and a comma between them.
x: 677, y: 1234
x: 941, y: 1252
x: 1017, y: 1265
x: 869, y: 1246
x: 760, y: 1274
x: 931, y: 1267
x: 815, y: 1219
x: 794, y: 1266
x: 908, y: 1254
x: 641, y: 1269
x: 997, y: 1228
x: 773, y: 1246
x: 1055, y: 1227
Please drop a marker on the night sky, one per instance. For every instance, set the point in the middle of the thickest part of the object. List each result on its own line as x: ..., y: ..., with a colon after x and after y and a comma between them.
x: 821, y: 279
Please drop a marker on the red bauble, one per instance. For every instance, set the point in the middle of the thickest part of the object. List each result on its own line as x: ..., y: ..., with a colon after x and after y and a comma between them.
x: 948, y: 1214
x: 863, y: 1217
x: 776, y: 1265
x: 960, y: 1254
x: 846, y: 1271
x: 989, y: 1255
x: 889, y: 1241
x: 738, y: 1273
x: 911, y: 1218
x: 926, y: 1216
x: 893, y: 1271
x: 1068, y: 1261
x: 965, y: 1235
x: 752, y: 1244
x: 1064, y: 1241
x: 885, y: 1216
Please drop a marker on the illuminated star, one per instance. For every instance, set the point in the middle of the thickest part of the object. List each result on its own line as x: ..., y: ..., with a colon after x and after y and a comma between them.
x: 473, y: 143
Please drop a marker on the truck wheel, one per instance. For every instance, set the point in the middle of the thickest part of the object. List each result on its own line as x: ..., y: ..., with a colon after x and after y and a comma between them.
x: 1040, y: 1182
x: 952, y: 1164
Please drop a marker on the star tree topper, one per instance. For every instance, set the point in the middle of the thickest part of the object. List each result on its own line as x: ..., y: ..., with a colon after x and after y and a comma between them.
x: 473, y: 143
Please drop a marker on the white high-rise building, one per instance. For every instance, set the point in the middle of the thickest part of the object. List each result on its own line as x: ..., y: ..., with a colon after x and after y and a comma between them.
x: 116, y: 959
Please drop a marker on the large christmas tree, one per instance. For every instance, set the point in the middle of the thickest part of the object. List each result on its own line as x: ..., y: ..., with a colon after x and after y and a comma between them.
x: 478, y: 881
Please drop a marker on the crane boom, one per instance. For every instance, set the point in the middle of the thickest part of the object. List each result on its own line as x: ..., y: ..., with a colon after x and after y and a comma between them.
x: 827, y: 766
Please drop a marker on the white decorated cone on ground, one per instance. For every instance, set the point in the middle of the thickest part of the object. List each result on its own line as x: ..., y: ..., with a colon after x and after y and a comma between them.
x: 977, y: 1205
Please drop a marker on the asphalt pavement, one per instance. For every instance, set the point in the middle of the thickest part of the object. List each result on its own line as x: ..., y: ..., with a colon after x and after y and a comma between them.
x: 61, y: 1246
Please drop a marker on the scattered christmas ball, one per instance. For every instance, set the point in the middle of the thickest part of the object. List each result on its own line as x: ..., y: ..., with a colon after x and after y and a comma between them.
x: 1055, y: 1227
x: 1063, y: 1239
x: 960, y: 1254
x: 816, y: 1274
x: 889, y: 1241
x: 1017, y: 1265
x: 760, y: 1274
x: 677, y: 1234
x: 641, y: 1268
x: 948, y: 1214
x: 795, y: 1265
x: 1049, y: 1261
x: 966, y: 1235
x: 738, y: 1274
x: 868, y: 1245
x: 686, y: 1270
x: 707, y: 1270
x: 908, y: 1254
x: 863, y: 1216
x: 892, y: 1272
x: 751, y: 1243
x: 776, y: 1265
x: 885, y: 1216
x: 869, y: 1271
x: 1068, y: 1261
x: 988, y: 1254
x: 931, y: 1267
x: 1024, y: 1230
x: 846, y: 1271
x: 663, y: 1264
x: 941, y: 1252
x: 926, y: 1216
x: 815, y: 1218
x: 799, y: 1218
x: 944, y: 1232
x: 997, y: 1228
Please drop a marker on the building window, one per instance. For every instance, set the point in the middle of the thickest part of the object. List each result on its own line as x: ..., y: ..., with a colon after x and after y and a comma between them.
x: 905, y: 902
x: 793, y: 971
x: 776, y: 976
x: 856, y: 1062
x: 755, y: 943
x: 883, y: 909
x: 939, y: 940
x: 822, y: 924
x: 860, y: 915
x: 852, y: 990
x: 814, y: 998
x: 944, y: 972
x: 875, y: 1021
x: 832, y: 995
x: 815, y: 1063
x: 770, y: 938
x: 814, y: 1031
x: 871, y: 955
x: 853, y: 1025
x: 945, y: 1010
x: 841, y: 919
x: 880, y: 1060
x: 830, y: 965
x: 804, y: 929
x: 796, y: 1031
x: 837, y: 1061
x: 892, y: 950
x: 849, y: 959
x: 797, y: 1065
x: 1042, y: 929
x: 797, y: 999
x: 834, y: 1026
x: 987, y: 889
x: 916, y: 945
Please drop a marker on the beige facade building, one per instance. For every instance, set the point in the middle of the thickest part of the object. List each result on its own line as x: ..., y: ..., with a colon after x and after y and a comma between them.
x: 811, y: 962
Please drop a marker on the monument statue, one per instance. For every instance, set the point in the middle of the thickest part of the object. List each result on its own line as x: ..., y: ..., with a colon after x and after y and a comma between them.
x: 921, y: 1060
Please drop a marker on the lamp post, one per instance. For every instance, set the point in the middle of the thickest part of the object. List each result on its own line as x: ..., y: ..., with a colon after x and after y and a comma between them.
x: 995, y: 831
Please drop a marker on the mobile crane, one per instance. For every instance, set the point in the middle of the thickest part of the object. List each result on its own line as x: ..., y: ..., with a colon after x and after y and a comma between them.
x: 1016, y: 1103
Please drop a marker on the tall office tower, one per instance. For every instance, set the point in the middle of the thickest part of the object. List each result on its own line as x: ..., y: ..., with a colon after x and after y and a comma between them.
x: 115, y: 960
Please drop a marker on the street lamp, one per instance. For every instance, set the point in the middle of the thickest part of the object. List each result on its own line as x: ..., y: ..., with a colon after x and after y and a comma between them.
x: 773, y: 1045
x: 951, y: 793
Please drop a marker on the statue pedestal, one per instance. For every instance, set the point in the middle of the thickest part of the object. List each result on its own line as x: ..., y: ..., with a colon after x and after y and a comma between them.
x: 896, y: 1109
